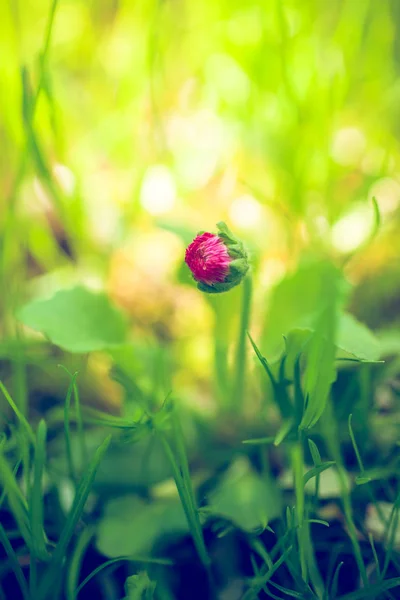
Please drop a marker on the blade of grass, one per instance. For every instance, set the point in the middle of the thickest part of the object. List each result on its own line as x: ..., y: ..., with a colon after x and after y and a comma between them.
x: 260, y: 441
x: 16, y: 500
x: 25, y: 153
x: 79, y: 420
x: 259, y: 583
x: 335, y: 580
x: 74, y: 515
x: 184, y: 464
x: 78, y: 415
x: 390, y: 534
x: 39, y: 550
x: 36, y: 498
x: 4, y: 491
x: 332, y: 439
x: 375, y: 555
x: 372, y: 591
x: 76, y: 561
x: 240, y: 361
x: 16, y: 567
x: 21, y: 418
x: 67, y: 434
x: 316, y: 471
x: 115, y: 561
x: 186, y: 503
x: 364, y: 478
x: 280, y: 394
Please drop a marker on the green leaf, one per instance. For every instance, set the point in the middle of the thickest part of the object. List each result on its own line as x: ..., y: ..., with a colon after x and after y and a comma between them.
x: 283, y: 431
x: 355, y: 338
x: 314, y: 452
x: 361, y: 479
x: 320, y: 351
x: 320, y: 370
x: 139, y: 587
x: 296, y: 302
x: 130, y: 526
x: 77, y: 320
x: 317, y: 470
x: 245, y: 498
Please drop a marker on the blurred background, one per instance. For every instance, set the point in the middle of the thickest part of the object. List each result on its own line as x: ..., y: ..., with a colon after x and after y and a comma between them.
x: 127, y: 127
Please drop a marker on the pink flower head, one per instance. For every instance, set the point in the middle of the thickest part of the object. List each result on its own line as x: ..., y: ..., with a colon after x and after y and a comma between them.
x: 218, y: 262
x: 208, y: 259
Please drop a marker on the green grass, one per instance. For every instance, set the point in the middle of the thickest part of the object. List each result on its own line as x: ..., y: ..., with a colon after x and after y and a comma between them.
x: 246, y: 445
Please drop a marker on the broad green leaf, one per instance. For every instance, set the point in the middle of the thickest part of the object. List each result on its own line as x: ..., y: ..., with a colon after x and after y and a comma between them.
x: 130, y: 526
x: 352, y: 338
x: 77, y: 320
x: 389, y: 341
x: 320, y: 370
x: 356, y: 339
x: 296, y: 303
x: 247, y: 499
x: 320, y: 352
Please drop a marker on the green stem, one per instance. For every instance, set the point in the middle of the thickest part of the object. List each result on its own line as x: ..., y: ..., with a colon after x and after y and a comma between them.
x: 240, y: 363
x: 298, y: 476
x: 187, y: 504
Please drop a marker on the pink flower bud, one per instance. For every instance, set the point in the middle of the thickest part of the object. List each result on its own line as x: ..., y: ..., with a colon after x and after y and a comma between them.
x: 218, y: 262
x: 208, y: 259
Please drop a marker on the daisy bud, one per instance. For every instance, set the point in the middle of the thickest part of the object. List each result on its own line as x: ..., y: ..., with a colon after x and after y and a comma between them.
x: 218, y: 262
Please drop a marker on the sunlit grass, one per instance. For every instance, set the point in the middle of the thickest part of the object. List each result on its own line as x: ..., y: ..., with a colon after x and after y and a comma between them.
x: 253, y: 434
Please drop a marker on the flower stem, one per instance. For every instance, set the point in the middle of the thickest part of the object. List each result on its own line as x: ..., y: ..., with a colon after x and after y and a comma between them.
x: 240, y: 363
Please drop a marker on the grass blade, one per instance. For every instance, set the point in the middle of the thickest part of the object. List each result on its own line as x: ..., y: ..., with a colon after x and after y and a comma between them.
x: 36, y: 497
x: 16, y: 567
x: 22, y: 420
x: 83, y: 542
x: 115, y: 561
x: 78, y: 505
x: 67, y: 433
x: 16, y: 499
x: 240, y: 362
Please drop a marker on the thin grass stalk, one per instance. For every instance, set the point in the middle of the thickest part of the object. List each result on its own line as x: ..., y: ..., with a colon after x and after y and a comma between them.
x: 16, y: 567
x: 240, y: 361
x: 331, y: 437
x: 193, y: 522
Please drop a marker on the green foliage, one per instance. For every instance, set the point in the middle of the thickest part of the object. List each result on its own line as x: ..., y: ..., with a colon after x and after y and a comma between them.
x: 248, y: 500
x: 356, y: 339
x: 77, y: 320
x: 128, y: 127
x: 131, y: 526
